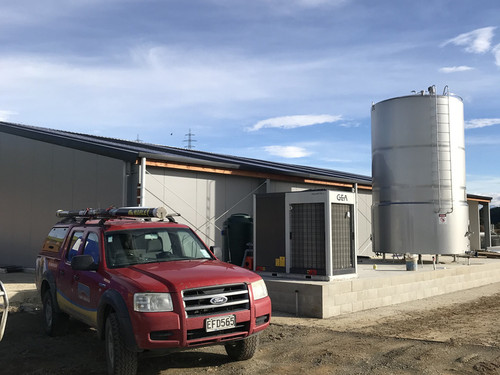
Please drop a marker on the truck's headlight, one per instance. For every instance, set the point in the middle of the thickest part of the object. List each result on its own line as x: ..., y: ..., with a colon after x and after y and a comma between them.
x: 259, y: 289
x: 153, y: 302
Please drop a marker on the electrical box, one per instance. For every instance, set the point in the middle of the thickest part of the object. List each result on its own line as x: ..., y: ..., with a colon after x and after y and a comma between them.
x: 308, y: 234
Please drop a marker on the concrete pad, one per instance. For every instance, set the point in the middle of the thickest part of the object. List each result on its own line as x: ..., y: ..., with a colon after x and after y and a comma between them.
x: 381, y: 283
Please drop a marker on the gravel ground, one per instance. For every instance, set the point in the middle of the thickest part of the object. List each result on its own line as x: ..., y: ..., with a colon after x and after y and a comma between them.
x: 458, y: 333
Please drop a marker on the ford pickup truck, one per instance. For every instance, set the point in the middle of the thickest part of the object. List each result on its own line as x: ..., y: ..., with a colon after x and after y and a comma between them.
x: 147, y: 285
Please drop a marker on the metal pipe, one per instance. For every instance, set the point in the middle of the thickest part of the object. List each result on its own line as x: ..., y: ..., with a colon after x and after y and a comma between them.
x: 143, y: 183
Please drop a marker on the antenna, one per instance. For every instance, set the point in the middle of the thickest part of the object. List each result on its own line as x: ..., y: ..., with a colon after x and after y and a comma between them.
x: 189, y: 140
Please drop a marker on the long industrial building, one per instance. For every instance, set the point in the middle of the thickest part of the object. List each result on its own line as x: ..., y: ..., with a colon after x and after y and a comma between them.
x: 45, y: 170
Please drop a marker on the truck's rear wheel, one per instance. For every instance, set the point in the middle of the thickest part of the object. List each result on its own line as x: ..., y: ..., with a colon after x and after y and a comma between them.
x: 242, y: 349
x: 119, y: 359
x: 54, y: 323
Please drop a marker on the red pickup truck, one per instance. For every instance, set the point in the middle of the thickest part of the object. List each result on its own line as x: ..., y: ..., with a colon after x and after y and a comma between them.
x: 146, y: 285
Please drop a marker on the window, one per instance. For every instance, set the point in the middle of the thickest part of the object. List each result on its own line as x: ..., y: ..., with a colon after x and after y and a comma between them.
x: 55, y: 239
x: 190, y: 245
x: 152, y: 245
x: 92, y: 246
x: 76, y: 241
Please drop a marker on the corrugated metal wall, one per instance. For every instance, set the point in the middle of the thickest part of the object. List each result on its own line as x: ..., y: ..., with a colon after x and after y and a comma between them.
x: 37, y: 179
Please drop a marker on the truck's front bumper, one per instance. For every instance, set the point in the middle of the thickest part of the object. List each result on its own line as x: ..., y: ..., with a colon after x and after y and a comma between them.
x: 171, y: 330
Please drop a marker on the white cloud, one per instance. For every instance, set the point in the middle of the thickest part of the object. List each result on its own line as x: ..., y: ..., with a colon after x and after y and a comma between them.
x: 289, y: 152
x: 476, y: 41
x: 334, y: 160
x: 290, y: 122
x: 317, y: 3
x: 496, y: 53
x: 481, y: 123
x: 350, y: 124
x: 288, y: 6
x: 5, y: 115
x: 486, y: 185
x: 496, y: 199
x: 453, y: 69
x: 482, y: 141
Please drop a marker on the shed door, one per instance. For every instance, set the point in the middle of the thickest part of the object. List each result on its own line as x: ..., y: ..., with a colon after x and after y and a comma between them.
x: 342, y: 238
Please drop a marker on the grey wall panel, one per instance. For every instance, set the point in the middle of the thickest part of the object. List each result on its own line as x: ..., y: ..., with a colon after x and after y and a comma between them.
x: 364, y: 203
x: 37, y: 179
x: 364, y: 223
x: 269, y: 226
x: 474, y: 226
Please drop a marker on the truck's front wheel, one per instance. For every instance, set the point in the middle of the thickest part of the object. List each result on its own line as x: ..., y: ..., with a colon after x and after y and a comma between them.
x: 119, y: 359
x: 243, y: 349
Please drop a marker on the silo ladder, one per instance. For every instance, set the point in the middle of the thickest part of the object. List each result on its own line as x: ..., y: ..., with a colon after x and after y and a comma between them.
x: 443, y: 166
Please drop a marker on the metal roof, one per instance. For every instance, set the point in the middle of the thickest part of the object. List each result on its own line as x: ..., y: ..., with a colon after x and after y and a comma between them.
x: 132, y: 150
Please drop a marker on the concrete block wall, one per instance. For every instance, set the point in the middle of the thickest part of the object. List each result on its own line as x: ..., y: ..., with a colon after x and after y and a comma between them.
x: 319, y: 299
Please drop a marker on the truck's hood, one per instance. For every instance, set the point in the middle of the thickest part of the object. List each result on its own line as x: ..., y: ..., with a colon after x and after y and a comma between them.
x: 186, y: 274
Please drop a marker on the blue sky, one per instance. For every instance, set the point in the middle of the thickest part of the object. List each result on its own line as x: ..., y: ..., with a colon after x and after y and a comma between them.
x: 285, y: 80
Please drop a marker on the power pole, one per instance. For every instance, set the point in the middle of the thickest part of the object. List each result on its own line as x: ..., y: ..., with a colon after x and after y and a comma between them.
x: 189, y: 140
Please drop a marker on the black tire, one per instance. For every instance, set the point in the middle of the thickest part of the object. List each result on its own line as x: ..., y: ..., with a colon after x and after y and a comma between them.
x: 119, y: 359
x: 54, y: 323
x: 243, y: 349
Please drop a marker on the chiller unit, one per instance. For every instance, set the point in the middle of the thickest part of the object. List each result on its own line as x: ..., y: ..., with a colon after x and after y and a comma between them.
x: 308, y: 234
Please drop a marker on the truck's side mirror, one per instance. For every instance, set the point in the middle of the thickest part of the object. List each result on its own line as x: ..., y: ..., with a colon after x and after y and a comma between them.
x: 83, y: 263
x: 217, y: 251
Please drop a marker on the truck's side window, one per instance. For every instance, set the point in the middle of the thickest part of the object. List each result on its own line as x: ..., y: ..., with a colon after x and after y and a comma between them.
x: 190, y: 246
x: 92, y: 247
x: 76, y: 241
x: 55, y: 239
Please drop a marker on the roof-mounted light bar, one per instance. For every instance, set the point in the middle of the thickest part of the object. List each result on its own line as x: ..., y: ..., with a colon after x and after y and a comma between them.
x: 158, y: 212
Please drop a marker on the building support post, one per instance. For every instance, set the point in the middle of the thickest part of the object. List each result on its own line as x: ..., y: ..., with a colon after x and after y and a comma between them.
x: 143, y: 183
x: 485, y: 213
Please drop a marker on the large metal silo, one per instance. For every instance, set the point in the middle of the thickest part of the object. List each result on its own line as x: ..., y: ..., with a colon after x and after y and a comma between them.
x: 418, y: 170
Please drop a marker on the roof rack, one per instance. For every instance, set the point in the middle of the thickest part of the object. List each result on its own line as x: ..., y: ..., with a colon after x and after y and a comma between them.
x: 108, y: 213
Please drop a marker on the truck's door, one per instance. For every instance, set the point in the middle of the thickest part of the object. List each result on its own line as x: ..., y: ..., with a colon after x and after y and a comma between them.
x: 90, y: 285
x: 66, y: 276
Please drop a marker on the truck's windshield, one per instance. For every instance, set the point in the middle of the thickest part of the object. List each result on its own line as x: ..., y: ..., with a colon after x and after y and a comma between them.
x: 150, y: 245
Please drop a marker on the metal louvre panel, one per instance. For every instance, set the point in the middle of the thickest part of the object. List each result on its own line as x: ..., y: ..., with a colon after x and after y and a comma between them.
x: 197, y: 301
x: 307, y: 226
x: 342, y: 254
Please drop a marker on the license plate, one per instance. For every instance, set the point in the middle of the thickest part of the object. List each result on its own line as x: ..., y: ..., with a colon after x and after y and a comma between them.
x: 220, y: 323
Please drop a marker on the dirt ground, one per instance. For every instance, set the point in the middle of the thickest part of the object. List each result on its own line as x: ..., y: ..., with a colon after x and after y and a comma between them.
x: 457, y: 333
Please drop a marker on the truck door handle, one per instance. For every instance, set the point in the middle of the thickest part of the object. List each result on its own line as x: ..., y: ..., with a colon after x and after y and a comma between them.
x: 76, y: 277
x: 61, y: 272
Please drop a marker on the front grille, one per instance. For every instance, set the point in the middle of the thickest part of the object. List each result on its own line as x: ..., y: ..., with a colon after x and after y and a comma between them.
x: 197, y: 301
